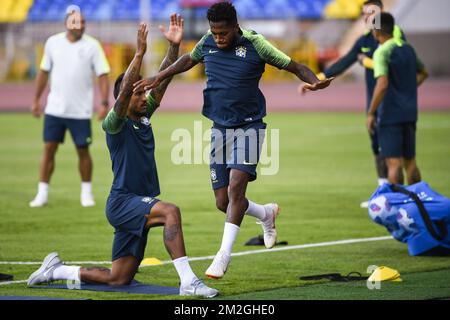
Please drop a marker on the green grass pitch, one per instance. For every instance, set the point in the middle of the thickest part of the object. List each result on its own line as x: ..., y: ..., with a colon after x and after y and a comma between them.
x: 326, y: 170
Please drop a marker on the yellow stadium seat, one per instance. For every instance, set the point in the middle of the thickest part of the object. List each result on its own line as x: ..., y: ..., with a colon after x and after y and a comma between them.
x: 14, y: 11
x: 5, y: 10
x: 344, y: 9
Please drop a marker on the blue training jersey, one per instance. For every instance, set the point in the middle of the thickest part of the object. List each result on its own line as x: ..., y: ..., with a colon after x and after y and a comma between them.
x: 398, y: 61
x: 132, y: 150
x: 232, y: 96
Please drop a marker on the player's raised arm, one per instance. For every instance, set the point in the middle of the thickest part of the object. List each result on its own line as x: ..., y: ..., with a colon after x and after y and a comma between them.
x: 132, y: 73
x: 174, y: 35
x: 114, y: 120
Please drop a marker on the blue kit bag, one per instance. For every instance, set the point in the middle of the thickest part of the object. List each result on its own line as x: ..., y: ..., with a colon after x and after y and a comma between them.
x: 416, y: 215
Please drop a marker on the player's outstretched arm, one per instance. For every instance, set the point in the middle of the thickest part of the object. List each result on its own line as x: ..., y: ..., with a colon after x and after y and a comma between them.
x: 132, y: 73
x: 183, y: 64
x: 174, y: 35
x: 305, y: 74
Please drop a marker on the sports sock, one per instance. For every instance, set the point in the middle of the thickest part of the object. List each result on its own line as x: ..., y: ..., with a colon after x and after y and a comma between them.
x: 256, y: 210
x: 43, y: 189
x: 184, y: 270
x: 382, y: 181
x: 230, y: 233
x: 66, y: 273
x: 86, y: 188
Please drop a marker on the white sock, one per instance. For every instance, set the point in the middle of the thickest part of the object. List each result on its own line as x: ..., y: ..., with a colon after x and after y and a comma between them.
x: 86, y: 188
x: 382, y: 181
x: 43, y: 189
x: 230, y: 233
x: 184, y: 270
x: 67, y: 273
x: 256, y: 210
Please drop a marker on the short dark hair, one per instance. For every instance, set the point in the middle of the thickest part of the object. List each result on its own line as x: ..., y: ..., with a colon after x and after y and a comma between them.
x: 222, y: 11
x: 378, y: 3
x: 118, y: 84
x: 387, y: 23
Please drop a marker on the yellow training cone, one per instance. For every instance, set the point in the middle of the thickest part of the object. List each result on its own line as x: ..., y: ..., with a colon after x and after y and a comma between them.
x: 385, y: 274
x: 151, y: 262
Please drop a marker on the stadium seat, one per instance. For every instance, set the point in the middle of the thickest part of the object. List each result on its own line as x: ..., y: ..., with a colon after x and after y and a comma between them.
x: 344, y: 9
x: 129, y: 10
x: 14, y: 11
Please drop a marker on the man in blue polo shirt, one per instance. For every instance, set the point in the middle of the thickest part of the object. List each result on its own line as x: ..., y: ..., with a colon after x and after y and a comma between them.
x: 132, y: 207
x: 234, y: 61
x: 393, y: 108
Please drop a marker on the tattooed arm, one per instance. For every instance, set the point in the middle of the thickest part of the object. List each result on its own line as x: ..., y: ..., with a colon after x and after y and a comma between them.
x: 174, y: 35
x: 114, y: 121
x: 132, y: 73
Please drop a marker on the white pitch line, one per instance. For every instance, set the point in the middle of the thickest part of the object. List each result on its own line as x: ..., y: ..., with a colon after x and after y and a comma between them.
x: 242, y: 253
x: 295, y: 247
x: 12, y: 282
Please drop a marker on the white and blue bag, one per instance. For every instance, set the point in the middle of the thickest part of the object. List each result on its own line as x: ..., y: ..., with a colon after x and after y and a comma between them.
x: 416, y: 215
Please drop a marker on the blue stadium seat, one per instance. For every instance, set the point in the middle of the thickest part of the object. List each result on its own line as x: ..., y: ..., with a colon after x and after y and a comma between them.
x: 128, y: 10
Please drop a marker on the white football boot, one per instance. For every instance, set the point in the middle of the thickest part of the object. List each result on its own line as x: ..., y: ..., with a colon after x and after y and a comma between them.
x: 39, y: 201
x: 219, y: 265
x: 268, y: 225
x: 45, y: 273
x: 198, y: 288
x: 87, y: 200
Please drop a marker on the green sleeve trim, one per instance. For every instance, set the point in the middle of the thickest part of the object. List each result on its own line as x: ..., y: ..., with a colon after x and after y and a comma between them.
x: 152, y: 105
x: 267, y: 51
x: 398, y: 33
x: 196, y: 53
x: 382, y: 55
x: 113, y: 124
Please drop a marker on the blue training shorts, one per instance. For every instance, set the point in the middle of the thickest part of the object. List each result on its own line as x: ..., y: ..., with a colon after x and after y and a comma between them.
x: 126, y: 213
x: 398, y: 141
x: 55, y: 130
x: 235, y: 148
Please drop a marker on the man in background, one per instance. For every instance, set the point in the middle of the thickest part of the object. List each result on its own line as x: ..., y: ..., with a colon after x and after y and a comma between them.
x: 393, y: 109
x: 70, y: 60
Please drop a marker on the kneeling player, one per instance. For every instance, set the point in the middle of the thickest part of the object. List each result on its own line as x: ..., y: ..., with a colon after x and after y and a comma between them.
x: 132, y: 208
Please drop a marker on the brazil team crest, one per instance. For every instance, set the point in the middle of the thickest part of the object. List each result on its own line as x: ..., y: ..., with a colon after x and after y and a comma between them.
x: 148, y: 199
x: 213, y: 175
x: 241, y: 51
x: 145, y: 121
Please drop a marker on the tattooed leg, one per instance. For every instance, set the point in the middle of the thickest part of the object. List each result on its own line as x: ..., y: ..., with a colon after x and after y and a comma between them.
x: 169, y: 216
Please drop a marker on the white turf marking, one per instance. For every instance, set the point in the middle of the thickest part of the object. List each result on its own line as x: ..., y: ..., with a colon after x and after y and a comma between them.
x: 242, y: 253
x: 12, y: 282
